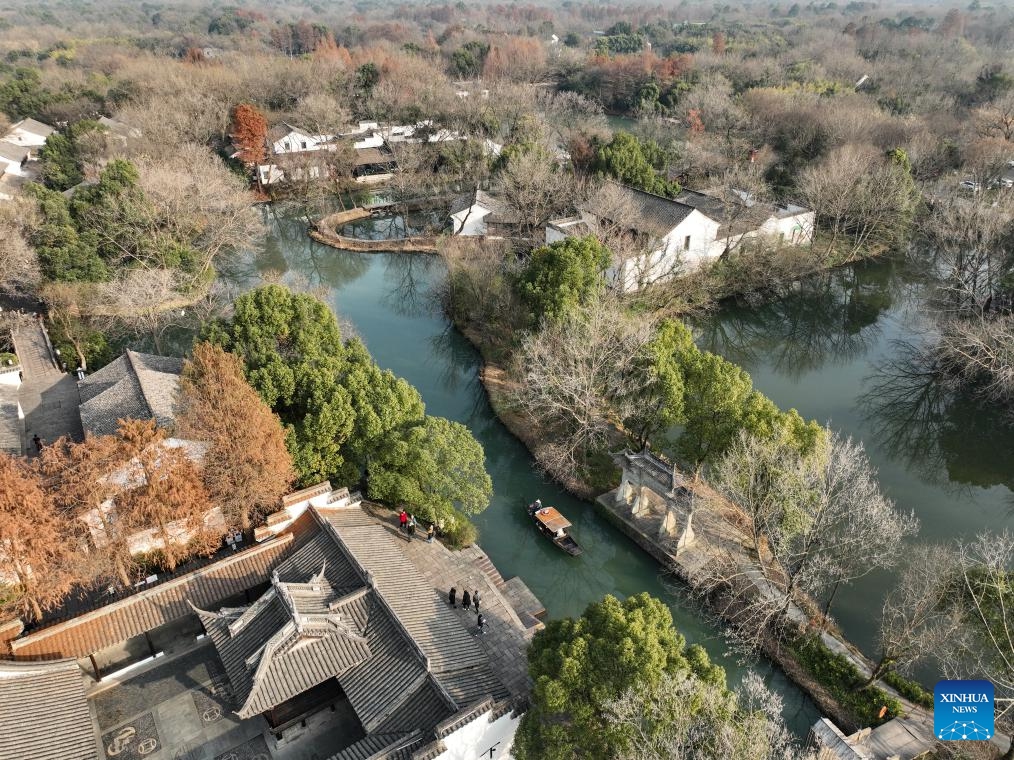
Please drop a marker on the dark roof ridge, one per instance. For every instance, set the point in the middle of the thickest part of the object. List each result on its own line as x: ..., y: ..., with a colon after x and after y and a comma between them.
x: 649, y: 193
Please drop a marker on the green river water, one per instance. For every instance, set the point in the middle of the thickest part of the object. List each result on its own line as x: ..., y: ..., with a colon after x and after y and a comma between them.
x: 833, y: 349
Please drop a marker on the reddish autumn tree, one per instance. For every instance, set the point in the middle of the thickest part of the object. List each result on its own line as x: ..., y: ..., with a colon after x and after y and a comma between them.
x: 247, y: 468
x: 78, y: 477
x: 162, y: 493
x: 718, y: 43
x: 35, y: 552
x: 249, y: 134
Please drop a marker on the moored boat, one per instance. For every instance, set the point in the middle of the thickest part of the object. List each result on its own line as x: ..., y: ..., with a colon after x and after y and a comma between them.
x: 554, y: 526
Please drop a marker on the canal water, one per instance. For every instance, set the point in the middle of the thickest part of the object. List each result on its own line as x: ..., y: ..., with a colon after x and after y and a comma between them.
x: 388, y: 299
x: 844, y: 349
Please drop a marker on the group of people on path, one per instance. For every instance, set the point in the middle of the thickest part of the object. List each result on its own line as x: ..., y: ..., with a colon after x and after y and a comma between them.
x: 468, y: 601
x: 408, y: 525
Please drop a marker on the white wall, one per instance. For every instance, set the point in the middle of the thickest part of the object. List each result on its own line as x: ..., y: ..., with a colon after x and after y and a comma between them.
x: 671, y: 257
x: 298, y: 143
x: 470, y: 221
x: 797, y: 229
x: 482, y: 740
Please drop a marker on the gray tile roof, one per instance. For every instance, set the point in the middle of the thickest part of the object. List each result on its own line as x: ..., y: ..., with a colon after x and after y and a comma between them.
x: 650, y: 214
x: 296, y: 636
x: 12, y: 152
x: 379, y: 747
x: 33, y: 126
x: 403, y: 659
x: 499, y: 211
x: 44, y: 713
x: 134, y: 386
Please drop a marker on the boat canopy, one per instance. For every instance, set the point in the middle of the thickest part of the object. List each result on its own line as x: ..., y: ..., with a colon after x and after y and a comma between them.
x: 552, y: 519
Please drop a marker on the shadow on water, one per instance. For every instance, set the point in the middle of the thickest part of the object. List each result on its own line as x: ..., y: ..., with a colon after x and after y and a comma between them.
x: 390, y: 302
x: 852, y: 348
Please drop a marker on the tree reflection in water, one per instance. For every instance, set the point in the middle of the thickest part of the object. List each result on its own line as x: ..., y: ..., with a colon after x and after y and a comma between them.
x: 935, y: 426
x: 831, y: 318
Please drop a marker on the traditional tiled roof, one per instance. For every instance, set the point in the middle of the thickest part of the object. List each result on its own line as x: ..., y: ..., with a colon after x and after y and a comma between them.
x: 44, y: 713
x: 371, y: 156
x: 294, y: 637
x: 14, y: 153
x: 499, y: 211
x: 647, y: 213
x: 350, y: 593
x: 33, y: 126
x: 113, y: 623
x: 134, y: 386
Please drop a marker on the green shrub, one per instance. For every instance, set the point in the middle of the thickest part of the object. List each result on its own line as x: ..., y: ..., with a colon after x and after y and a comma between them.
x: 844, y: 682
x: 460, y: 534
x: 909, y: 689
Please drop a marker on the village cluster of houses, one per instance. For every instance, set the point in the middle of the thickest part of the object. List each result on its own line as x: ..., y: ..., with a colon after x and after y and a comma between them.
x: 19, y: 155
x: 324, y: 617
x: 295, y: 154
x: 667, y: 236
x: 20, y: 148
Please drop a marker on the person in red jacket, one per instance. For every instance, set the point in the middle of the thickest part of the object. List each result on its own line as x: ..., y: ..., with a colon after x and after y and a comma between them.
x: 403, y: 521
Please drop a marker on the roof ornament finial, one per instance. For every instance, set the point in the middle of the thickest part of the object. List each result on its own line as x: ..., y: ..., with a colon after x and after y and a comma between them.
x: 319, y: 576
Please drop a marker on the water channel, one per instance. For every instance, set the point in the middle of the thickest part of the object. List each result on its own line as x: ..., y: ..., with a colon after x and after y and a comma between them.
x: 387, y: 299
x: 840, y: 348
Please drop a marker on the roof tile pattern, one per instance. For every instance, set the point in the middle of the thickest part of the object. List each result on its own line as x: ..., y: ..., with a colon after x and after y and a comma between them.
x: 296, y: 636
x: 645, y: 212
x: 135, y: 386
x: 123, y: 619
x: 55, y: 690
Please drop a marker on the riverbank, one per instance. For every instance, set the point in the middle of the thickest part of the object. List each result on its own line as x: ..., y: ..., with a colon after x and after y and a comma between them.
x: 716, y: 533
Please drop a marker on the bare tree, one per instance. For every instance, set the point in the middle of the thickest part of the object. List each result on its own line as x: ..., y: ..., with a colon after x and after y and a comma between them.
x: 859, y: 197
x: 198, y: 202
x: 980, y: 351
x: 573, y: 378
x: 147, y: 303
x: 916, y: 620
x: 997, y: 118
x: 687, y: 718
x: 970, y: 232
x: 535, y: 190
x: 19, y: 264
x: 985, y: 601
x: 823, y: 519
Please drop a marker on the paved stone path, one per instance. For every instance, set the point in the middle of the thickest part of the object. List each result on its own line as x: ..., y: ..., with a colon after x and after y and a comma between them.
x: 48, y: 396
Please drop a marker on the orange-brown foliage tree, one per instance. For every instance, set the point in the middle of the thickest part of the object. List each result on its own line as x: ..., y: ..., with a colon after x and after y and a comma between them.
x: 247, y: 467
x: 249, y: 134
x: 718, y: 43
x: 163, y: 493
x: 34, y: 549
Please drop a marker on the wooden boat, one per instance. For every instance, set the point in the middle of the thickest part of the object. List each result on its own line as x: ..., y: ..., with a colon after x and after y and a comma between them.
x: 554, y: 526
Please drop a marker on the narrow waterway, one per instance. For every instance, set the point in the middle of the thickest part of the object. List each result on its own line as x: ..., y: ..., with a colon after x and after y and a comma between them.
x: 844, y: 349
x: 388, y: 300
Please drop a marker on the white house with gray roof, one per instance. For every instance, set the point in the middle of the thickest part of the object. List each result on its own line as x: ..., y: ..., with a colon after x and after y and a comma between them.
x: 678, y: 234
x: 135, y: 386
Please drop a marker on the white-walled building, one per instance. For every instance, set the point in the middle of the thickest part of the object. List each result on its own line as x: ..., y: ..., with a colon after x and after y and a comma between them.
x: 478, y: 213
x: 677, y: 235
x: 29, y: 133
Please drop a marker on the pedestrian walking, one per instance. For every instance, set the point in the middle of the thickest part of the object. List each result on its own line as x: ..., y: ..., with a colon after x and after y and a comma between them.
x: 411, y: 525
x: 480, y: 624
x: 38, y: 443
x: 452, y: 598
x: 475, y: 599
x: 403, y: 521
x: 466, y: 600
x: 430, y: 533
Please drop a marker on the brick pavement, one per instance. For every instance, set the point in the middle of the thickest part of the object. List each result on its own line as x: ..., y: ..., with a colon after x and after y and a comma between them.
x: 48, y: 396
